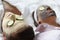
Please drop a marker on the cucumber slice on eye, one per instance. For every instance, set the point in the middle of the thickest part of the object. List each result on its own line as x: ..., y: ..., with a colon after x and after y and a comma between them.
x: 10, y: 23
x: 41, y: 8
x: 19, y: 17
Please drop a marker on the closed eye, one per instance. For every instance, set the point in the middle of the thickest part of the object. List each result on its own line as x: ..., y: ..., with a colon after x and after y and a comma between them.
x: 9, y: 15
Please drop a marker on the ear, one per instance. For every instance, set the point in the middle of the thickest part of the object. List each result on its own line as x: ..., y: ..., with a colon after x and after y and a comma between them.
x: 10, y: 8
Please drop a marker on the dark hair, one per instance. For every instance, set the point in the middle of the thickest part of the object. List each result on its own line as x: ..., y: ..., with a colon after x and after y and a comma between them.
x: 27, y: 34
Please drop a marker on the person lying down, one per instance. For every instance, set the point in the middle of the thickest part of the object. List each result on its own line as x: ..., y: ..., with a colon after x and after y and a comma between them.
x: 49, y: 28
x: 13, y: 25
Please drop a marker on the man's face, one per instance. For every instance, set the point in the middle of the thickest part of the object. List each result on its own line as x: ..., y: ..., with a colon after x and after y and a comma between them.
x: 46, y: 15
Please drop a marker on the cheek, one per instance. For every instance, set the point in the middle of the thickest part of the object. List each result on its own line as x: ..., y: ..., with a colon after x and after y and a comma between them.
x: 5, y: 20
x: 4, y: 24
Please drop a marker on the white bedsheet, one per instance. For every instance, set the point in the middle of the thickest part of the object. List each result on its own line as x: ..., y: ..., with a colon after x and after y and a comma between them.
x: 49, y: 35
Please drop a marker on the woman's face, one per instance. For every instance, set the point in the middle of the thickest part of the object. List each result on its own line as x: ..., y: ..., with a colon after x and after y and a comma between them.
x: 12, y: 23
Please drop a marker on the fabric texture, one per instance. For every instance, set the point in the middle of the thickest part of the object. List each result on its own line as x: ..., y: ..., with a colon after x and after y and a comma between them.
x: 47, y: 32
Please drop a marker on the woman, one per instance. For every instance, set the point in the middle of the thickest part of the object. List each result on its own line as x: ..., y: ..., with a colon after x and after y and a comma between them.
x: 13, y: 24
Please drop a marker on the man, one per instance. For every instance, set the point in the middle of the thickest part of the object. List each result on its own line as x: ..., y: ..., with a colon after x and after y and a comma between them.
x: 48, y: 28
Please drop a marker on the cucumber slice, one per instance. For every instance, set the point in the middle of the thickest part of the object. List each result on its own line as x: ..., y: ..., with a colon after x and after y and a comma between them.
x: 41, y: 8
x: 10, y: 23
x: 18, y: 17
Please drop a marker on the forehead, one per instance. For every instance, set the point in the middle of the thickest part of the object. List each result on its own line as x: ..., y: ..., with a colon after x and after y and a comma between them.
x: 43, y: 6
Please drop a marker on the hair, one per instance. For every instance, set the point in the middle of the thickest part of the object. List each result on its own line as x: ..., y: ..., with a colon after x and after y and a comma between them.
x: 27, y: 34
